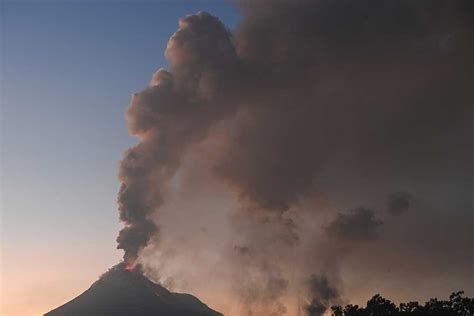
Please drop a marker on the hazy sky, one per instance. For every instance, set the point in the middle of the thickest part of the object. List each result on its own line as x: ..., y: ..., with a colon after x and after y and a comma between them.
x: 68, y: 70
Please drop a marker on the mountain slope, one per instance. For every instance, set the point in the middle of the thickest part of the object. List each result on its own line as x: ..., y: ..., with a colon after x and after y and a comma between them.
x: 120, y: 292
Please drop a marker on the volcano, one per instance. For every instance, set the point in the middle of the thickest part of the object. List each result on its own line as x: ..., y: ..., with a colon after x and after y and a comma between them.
x: 120, y: 292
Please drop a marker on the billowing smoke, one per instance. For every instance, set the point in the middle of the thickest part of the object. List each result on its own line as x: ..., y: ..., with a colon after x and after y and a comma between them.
x: 323, y: 296
x: 175, y: 111
x: 359, y: 224
x: 255, y: 139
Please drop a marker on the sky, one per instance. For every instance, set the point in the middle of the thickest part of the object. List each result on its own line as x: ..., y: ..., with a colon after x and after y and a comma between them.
x: 282, y: 146
x: 68, y: 71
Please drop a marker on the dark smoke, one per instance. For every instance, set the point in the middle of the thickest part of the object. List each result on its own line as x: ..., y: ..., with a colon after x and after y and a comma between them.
x: 323, y: 77
x: 305, y: 101
x: 359, y: 224
x: 175, y: 111
x: 323, y: 295
x: 399, y: 203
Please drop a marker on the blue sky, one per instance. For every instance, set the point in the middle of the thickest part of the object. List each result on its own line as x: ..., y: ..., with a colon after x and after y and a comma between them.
x: 68, y: 69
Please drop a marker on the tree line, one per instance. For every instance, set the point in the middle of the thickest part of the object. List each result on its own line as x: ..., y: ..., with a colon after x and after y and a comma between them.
x: 457, y: 305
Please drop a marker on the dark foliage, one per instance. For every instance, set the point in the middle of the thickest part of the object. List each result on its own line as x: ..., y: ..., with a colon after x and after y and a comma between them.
x: 457, y: 305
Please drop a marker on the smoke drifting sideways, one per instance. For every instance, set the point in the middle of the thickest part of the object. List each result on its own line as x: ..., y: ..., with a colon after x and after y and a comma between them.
x: 359, y: 225
x: 305, y: 109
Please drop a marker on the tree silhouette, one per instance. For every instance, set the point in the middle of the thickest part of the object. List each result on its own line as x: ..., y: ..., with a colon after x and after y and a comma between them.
x: 457, y: 305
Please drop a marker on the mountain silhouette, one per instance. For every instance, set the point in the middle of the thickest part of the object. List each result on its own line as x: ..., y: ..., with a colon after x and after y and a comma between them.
x: 120, y: 292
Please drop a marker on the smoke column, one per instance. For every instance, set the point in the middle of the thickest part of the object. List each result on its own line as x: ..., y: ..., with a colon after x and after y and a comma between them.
x: 323, y: 296
x: 175, y: 111
x: 306, y: 109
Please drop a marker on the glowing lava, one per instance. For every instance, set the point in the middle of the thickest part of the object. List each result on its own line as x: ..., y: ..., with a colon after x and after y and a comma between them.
x: 130, y: 266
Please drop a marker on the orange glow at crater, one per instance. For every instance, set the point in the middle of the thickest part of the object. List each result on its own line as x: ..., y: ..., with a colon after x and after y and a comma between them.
x: 130, y: 266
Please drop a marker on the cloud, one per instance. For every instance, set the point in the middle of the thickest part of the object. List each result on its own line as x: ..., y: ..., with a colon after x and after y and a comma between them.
x: 359, y: 224
x: 306, y: 108
x: 322, y: 295
x: 399, y: 203
x: 168, y: 116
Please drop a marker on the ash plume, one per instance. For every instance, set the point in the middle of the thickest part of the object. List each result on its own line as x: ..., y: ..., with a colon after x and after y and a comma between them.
x: 257, y: 136
x: 399, y: 202
x: 167, y: 117
x: 359, y: 224
x: 323, y: 295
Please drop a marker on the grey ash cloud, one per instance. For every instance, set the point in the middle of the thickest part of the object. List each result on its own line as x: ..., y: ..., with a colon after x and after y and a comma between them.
x: 305, y: 101
x: 399, y: 202
x: 360, y: 224
x: 167, y: 117
x: 323, y: 295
